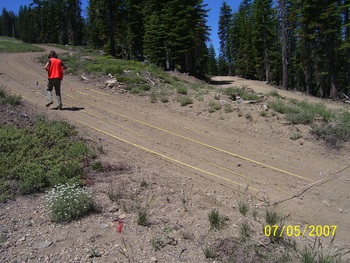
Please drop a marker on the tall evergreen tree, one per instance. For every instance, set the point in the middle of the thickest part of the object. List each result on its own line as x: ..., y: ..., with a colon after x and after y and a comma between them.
x: 225, y: 36
x: 263, y: 37
x: 243, y: 28
x: 8, y: 23
x: 212, y: 61
x: 26, y: 24
x: 135, y: 29
x: 346, y: 45
x: 284, y: 48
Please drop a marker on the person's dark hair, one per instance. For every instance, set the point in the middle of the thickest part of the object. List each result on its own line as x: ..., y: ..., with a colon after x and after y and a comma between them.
x: 52, y: 54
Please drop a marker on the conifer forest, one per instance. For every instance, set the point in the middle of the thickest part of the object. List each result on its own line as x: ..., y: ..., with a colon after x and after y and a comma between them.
x: 301, y: 45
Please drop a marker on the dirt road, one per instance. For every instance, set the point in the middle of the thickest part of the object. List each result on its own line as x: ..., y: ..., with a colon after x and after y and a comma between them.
x: 217, y: 154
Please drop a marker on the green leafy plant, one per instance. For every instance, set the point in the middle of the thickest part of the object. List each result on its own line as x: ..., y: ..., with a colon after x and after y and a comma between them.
x: 182, y: 90
x: 243, y: 207
x: 142, y: 217
x: 9, y: 99
x: 228, y: 108
x: 318, y: 253
x: 216, y: 220
x: 97, y: 166
x: 209, y: 253
x: 156, y: 243
x: 185, y: 100
x: 41, y: 156
x: 214, y: 106
x: 69, y: 202
x: 245, y: 230
x: 243, y: 92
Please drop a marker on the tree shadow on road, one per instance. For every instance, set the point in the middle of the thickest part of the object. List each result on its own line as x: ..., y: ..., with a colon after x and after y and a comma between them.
x: 221, y: 82
x: 70, y: 108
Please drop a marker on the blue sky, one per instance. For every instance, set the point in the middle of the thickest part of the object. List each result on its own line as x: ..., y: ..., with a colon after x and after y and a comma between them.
x: 213, y: 5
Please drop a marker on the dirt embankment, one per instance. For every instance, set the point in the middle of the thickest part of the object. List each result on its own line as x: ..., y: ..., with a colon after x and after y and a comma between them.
x: 192, y: 160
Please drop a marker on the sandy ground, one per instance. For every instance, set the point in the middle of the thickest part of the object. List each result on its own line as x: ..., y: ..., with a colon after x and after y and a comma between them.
x: 186, y: 153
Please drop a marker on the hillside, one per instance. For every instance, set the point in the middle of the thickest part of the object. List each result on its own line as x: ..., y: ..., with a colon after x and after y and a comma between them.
x: 179, y: 163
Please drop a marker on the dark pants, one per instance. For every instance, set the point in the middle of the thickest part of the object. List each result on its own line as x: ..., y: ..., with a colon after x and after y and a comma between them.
x: 54, y: 83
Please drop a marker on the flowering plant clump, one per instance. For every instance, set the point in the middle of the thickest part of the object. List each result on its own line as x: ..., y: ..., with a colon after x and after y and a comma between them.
x: 68, y: 202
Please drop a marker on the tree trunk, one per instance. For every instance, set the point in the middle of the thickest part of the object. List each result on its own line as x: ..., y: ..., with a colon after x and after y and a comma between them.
x: 110, y: 16
x: 347, y: 49
x: 284, y: 45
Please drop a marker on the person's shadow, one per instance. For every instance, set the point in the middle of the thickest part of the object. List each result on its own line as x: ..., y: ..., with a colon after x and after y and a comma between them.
x: 69, y: 108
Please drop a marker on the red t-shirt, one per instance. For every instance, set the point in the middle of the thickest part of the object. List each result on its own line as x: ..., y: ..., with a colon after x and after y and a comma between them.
x: 55, y: 69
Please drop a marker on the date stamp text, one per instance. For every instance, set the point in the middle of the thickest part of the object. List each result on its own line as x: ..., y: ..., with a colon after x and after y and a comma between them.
x: 300, y: 231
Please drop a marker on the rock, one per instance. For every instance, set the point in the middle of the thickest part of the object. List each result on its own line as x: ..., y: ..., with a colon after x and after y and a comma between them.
x: 113, y: 209
x: 21, y: 239
x: 104, y: 225
x: 111, y: 83
x: 325, y: 202
x: 43, y: 244
x: 153, y: 259
x: 122, y: 216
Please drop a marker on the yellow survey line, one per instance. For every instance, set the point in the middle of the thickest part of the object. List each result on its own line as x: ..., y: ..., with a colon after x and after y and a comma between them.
x: 117, y: 125
x: 232, y: 172
x: 158, y: 154
x: 198, y: 142
x: 163, y: 156
x: 208, y: 135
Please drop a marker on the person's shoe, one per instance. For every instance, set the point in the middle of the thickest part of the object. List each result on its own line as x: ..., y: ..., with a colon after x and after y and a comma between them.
x: 49, y: 104
x: 60, y: 107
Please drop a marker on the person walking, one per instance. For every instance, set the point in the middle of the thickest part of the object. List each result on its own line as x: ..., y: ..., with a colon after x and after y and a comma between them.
x: 54, y: 68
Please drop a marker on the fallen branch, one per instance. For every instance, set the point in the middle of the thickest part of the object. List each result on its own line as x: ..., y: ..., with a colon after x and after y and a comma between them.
x: 309, y: 186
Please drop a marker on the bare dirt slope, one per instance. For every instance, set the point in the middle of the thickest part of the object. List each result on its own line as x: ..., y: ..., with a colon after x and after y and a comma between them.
x: 193, y: 160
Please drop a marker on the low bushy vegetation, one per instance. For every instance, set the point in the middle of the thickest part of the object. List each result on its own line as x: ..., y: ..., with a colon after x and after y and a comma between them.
x: 39, y: 157
x: 12, y: 45
x: 243, y: 92
x: 217, y: 221
x: 331, y: 126
x: 335, y: 132
x: 69, y: 202
x: 9, y: 99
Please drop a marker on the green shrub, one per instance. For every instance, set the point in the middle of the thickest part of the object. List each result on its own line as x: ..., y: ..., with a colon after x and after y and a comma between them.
x: 9, y: 99
x: 335, y: 132
x: 97, y: 166
x: 182, y: 90
x: 216, y: 220
x: 6, y: 192
x: 274, y: 93
x: 209, y: 253
x: 245, y: 230
x: 228, y: 108
x: 281, y: 107
x: 69, y: 202
x: 243, y: 207
x: 12, y: 45
x: 185, y: 100
x: 41, y: 156
x: 214, y: 106
x: 301, y: 117
x: 243, y: 92
x: 164, y: 99
x: 142, y: 217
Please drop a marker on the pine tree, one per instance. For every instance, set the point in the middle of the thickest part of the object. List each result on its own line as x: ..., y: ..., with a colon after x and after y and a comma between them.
x: 225, y: 36
x: 8, y: 19
x: 243, y: 28
x: 212, y: 61
x: 135, y: 29
x: 346, y: 46
x: 263, y: 37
